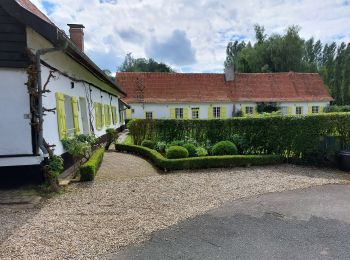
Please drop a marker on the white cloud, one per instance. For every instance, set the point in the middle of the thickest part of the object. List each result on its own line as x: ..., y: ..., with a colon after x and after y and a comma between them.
x: 116, y: 27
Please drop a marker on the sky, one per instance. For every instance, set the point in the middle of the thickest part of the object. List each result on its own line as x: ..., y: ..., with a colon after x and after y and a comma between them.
x: 190, y: 35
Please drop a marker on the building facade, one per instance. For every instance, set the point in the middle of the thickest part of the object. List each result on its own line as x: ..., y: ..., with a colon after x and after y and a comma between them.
x: 210, y: 96
x: 76, y: 96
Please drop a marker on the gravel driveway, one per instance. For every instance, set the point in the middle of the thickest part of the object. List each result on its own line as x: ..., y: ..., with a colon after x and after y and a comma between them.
x: 129, y: 200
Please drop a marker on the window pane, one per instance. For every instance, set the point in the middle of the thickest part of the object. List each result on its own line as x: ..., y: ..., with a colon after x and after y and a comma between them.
x: 179, y: 113
x: 69, y: 115
x: 216, y: 112
x: 315, y: 109
x: 195, y: 113
x: 149, y: 115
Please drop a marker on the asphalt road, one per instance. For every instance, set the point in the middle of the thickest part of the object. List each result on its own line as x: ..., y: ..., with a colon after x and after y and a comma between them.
x: 312, y: 223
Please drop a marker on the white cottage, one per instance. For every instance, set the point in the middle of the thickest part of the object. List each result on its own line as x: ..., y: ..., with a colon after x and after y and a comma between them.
x: 214, y: 95
x: 50, y: 90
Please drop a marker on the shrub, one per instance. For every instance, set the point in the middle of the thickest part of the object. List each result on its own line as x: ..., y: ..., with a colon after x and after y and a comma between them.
x: 111, y: 137
x: 175, y: 152
x: 148, y: 143
x: 176, y: 143
x: 191, y: 150
x: 160, y: 147
x: 294, y: 137
x: 89, y: 169
x: 224, y: 148
x: 55, y: 166
x: 77, y: 146
x: 201, y: 151
x: 199, y: 162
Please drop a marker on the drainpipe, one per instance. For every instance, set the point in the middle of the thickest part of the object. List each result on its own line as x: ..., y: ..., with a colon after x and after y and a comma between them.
x: 40, y: 97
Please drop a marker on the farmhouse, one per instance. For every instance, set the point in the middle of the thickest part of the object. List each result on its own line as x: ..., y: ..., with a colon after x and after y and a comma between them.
x: 50, y: 89
x: 208, y: 96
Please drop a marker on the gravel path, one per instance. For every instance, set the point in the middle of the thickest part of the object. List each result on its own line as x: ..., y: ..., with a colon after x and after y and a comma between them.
x: 129, y: 200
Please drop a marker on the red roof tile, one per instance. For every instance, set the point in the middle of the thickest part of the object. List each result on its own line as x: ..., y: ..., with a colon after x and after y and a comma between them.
x: 192, y: 87
x: 33, y: 9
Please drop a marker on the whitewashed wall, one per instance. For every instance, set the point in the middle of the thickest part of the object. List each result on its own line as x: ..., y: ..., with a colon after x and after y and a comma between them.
x: 162, y: 111
x: 62, y: 84
x: 15, y: 129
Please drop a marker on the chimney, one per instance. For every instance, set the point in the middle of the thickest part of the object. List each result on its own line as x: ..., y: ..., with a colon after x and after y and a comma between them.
x: 76, y: 34
x: 229, y: 73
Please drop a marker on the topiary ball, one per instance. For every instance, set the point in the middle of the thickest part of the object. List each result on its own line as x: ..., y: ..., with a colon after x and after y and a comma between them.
x: 176, y: 152
x: 149, y: 144
x: 192, y: 152
x: 224, y: 148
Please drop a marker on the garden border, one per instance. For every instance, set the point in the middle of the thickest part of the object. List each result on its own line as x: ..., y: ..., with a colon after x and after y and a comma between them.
x: 224, y: 161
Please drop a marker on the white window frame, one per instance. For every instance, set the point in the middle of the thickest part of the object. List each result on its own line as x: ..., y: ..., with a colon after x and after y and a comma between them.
x: 179, y: 113
x: 315, y: 109
x: 284, y: 110
x: 249, y: 110
x: 299, y: 108
x: 216, y: 112
x: 195, y: 113
x: 69, y: 115
x: 149, y: 115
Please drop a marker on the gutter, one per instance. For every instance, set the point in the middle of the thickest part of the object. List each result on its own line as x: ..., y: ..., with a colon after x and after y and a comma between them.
x: 40, y: 137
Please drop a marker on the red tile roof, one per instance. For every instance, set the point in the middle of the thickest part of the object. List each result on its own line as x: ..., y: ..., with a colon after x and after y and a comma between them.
x: 33, y: 9
x: 192, y: 87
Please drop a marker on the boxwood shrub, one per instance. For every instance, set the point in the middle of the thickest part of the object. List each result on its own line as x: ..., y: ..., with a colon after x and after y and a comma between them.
x: 198, y: 162
x: 224, y: 148
x: 191, y: 148
x: 89, y: 169
x: 148, y: 143
x: 297, y: 138
x: 176, y: 152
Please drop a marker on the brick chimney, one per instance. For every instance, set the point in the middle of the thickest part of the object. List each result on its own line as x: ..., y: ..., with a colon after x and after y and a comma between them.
x: 229, y: 73
x: 76, y: 34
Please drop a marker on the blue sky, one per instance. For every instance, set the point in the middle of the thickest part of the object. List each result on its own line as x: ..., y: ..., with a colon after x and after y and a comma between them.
x: 190, y: 35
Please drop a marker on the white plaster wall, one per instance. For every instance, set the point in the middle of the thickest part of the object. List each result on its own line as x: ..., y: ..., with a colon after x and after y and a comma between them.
x: 62, y: 84
x: 162, y: 111
x: 15, y: 129
x: 305, y: 105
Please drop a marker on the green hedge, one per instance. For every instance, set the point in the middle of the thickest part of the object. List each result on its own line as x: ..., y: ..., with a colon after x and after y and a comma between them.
x: 198, y: 162
x: 89, y: 169
x: 295, y: 137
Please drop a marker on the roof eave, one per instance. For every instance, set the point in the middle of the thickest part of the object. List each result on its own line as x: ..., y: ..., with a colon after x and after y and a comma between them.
x: 54, y: 35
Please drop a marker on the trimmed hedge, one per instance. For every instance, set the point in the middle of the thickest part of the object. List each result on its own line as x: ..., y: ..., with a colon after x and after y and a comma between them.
x: 176, y: 152
x: 224, y: 148
x: 198, y: 162
x: 191, y: 148
x: 148, y: 143
x: 89, y: 169
x: 296, y: 137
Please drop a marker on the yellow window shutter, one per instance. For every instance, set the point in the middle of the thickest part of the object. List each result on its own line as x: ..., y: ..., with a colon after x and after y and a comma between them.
x: 75, y: 115
x: 289, y: 110
x: 172, y: 113
x: 97, y: 124
x: 114, y: 115
x: 210, y: 112
x: 223, y: 113
x: 321, y: 109
x: 185, y: 112
x: 61, y: 116
x: 309, y: 109
x: 243, y: 108
x: 107, y: 115
x: 102, y: 117
x: 255, y: 110
x: 128, y: 113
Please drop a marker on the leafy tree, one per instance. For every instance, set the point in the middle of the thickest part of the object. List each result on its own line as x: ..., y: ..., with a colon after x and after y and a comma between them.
x: 132, y: 64
x: 289, y: 52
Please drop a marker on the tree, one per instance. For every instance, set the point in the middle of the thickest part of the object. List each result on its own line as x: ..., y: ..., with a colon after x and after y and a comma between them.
x: 130, y: 64
x: 289, y: 52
